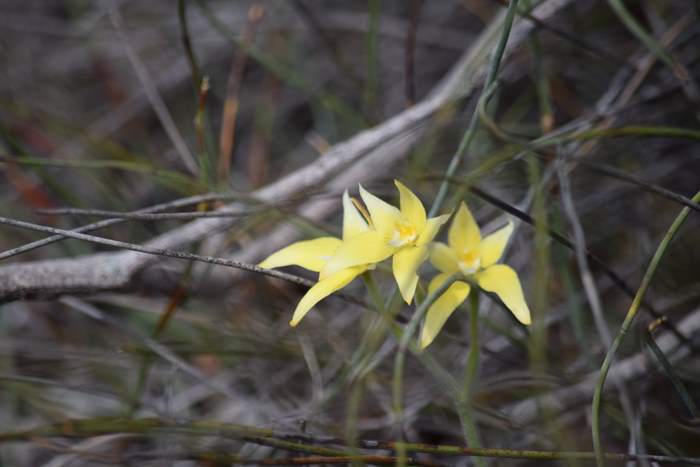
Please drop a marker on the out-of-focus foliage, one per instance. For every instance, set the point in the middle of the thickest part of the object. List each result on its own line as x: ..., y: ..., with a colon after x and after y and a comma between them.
x: 83, y: 124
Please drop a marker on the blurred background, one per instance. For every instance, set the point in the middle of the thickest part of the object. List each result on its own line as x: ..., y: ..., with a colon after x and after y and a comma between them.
x: 269, y: 110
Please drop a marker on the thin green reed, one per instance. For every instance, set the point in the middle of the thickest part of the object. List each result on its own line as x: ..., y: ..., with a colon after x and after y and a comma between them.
x: 465, y: 406
x: 538, y: 334
x: 626, y: 324
x: 645, y: 38
x: 468, y: 136
x: 408, y: 332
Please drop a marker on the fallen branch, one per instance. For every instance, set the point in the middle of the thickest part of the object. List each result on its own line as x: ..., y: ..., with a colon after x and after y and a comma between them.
x: 375, y: 148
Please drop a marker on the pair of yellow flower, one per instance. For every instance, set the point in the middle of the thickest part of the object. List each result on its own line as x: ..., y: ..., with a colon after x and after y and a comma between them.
x: 406, y: 235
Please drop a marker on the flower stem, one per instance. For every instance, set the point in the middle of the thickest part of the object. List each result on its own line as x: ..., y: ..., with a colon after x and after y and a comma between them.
x: 465, y: 410
x: 397, y: 384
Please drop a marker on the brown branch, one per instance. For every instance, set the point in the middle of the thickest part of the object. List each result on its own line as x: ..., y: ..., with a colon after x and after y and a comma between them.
x: 235, y: 79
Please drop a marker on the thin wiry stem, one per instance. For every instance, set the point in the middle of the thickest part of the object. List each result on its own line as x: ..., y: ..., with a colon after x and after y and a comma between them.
x: 600, y: 168
x: 647, y: 39
x: 176, y: 299
x: 643, y: 184
x: 157, y: 348
x: 615, y: 277
x: 590, y: 289
x: 146, y: 216
x: 668, y: 369
x: 629, y: 318
x: 300, y: 442
x: 286, y: 74
x: 152, y: 94
x: 159, y: 251
x: 59, y: 384
x: 409, y: 330
x: 186, y: 38
x: 108, y: 222
x: 548, y: 140
x: 471, y: 129
x: 572, y: 38
x: 467, y: 417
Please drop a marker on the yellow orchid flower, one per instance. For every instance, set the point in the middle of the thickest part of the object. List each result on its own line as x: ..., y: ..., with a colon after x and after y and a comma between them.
x: 314, y: 254
x: 403, y: 233
x: 474, y: 258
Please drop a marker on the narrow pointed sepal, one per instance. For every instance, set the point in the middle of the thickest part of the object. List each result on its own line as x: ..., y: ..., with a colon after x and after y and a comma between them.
x: 309, y: 254
x: 442, y: 308
x: 323, y: 289
x: 503, y: 281
x: 405, y: 264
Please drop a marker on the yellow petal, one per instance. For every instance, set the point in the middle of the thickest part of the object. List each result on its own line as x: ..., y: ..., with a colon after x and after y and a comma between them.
x: 492, y: 245
x: 309, y: 254
x: 405, y: 264
x: 353, y: 222
x: 432, y: 227
x: 437, y: 281
x: 464, y: 233
x: 444, y: 258
x: 411, y: 206
x: 365, y: 248
x: 442, y: 308
x: 384, y: 215
x: 322, y: 289
x: 503, y: 281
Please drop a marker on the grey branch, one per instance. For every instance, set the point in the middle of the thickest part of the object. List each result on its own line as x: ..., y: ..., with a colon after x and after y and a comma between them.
x: 627, y: 370
x: 377, y: 148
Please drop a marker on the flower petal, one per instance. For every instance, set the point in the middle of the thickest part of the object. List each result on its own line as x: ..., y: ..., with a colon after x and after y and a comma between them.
x: 309, y: 254
x: 442, y: 308
x: 405, y: 264
x: 432, y: 227
x: 353, y: 222
x: 437, y: 281
x: 365, y: 248
x: 411, y: 206
x: 324, y: 288
x: 443, y: 258
x: 464, y: 232
x: 492, y: 245
x: 384, y: 215
x: 503, y: 281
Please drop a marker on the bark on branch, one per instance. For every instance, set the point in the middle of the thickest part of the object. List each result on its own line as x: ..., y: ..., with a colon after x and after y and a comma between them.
x: 338, y: 168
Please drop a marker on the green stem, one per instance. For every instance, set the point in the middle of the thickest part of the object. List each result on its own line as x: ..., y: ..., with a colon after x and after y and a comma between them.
x: 466, y: 412
x: 397, y: 386
x: 353, y: 410
x: 631, y: 313
x: 373, y: 290
x: 645, y: 38
x: 471, y: 129
x: 473, y: 356
x: 435, y: 368
x: 361, y: 362
x: 187, y: 44
x: 78, y: 428
x: 675, y: 379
